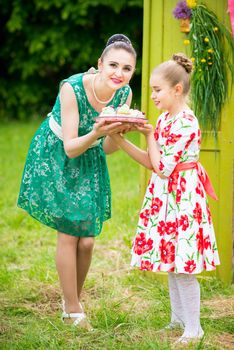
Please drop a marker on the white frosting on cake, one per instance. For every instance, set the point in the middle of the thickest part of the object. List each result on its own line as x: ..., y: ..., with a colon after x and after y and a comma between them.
x: 122, y: 111
x: 107, y: 111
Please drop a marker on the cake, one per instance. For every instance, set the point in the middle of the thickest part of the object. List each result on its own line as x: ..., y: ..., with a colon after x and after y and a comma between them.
x: 121, y: 111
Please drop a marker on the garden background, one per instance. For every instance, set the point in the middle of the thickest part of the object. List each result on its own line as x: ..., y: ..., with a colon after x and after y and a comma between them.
x: 43, y: 42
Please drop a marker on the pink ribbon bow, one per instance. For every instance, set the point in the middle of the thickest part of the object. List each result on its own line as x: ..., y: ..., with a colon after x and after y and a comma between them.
x: 202, y: 174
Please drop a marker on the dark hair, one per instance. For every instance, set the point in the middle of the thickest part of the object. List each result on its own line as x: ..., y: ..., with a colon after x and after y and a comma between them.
x: 119, y: 41
x: 118, y: 37
x: 176, y: 70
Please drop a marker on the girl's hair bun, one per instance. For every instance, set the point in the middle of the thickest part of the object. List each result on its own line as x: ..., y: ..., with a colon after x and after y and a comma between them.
x: 183, y: 61
x: 118, y: 37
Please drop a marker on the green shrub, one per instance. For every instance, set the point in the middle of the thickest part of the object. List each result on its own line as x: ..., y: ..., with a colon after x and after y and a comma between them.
x: 43, y: 42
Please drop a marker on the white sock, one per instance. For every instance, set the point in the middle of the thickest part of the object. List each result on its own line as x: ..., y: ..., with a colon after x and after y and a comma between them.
x: 176, y: 305
x: 189, y: 290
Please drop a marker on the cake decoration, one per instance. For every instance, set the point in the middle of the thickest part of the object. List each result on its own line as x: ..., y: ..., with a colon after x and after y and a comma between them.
x: 108, y: 111
x: 122, y: 112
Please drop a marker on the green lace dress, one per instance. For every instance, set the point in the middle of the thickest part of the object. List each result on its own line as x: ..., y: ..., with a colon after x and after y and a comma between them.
x: 70, y: 195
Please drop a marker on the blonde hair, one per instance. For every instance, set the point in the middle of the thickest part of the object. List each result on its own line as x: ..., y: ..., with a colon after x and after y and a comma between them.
x: 177, y: 70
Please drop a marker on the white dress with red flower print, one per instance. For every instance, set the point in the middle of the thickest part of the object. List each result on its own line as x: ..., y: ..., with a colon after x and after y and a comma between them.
x: 175, y: 231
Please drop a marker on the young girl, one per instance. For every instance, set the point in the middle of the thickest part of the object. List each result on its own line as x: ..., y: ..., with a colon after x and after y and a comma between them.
x: 175, y: 232
x: 65, y: 183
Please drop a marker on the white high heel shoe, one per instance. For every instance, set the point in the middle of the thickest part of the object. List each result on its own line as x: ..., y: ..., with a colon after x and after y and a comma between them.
x: 76, y: 318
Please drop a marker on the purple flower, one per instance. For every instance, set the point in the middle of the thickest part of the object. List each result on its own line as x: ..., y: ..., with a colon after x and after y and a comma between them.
x: 182, y: 10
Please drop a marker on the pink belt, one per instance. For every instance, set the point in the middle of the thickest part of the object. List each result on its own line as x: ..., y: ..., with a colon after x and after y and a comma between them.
x: 202, y: 174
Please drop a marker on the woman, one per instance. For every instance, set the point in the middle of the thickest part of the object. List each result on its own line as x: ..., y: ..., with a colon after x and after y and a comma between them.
x: 65, y: 183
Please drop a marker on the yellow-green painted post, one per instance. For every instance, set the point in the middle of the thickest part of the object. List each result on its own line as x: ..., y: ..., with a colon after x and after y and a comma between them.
x: 162, y: 38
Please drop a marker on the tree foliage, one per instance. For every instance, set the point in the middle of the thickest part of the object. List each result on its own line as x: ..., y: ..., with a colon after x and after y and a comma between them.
x: 45, y: 41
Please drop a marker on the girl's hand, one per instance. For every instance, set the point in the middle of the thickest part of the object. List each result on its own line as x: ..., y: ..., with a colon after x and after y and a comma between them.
x: 145, y: 129
x: 130, y: 127
x: 126, y: 128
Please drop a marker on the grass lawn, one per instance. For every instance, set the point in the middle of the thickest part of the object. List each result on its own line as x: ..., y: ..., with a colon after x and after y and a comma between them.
x: 127, y: 308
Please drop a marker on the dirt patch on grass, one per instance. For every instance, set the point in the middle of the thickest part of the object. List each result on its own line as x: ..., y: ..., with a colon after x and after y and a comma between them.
x: 223, y: 341
x: 47, y: 300
x: 111, y: 257
x: 3, y: 328
x: 220, y: 307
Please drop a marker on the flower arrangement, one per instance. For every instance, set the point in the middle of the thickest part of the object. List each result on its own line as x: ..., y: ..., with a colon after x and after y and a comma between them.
x: 212, y: 48
x: 212, y: 52
x: 191, y: 3
x: 182, y: 11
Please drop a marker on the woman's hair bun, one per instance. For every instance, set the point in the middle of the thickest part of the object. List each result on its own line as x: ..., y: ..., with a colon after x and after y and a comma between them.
x: 119, y: 41
x: 118, y: 37
x: 183, y: 61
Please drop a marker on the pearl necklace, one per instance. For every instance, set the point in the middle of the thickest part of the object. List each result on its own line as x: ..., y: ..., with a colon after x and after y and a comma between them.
x: 95, y: 96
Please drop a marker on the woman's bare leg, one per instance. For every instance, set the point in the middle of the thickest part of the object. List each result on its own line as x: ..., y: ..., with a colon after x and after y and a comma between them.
x: 83, y: 261
x: 66, y: 266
